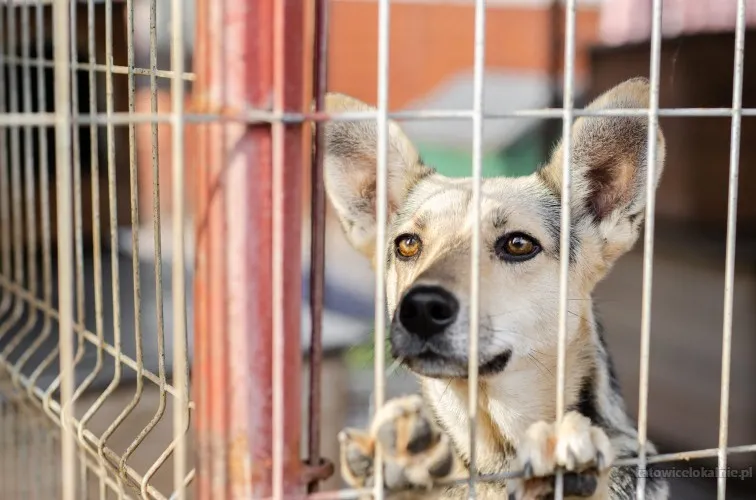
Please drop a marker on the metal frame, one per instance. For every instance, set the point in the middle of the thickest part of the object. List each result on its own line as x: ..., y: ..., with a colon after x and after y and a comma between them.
x: 246, y: 386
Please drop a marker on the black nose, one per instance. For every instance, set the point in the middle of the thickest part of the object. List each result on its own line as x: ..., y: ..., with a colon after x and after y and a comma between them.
x: 427, y: 310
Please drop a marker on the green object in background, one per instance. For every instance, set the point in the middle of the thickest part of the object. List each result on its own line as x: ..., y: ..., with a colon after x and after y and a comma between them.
x: 362, y: 356
x: 521, y: 158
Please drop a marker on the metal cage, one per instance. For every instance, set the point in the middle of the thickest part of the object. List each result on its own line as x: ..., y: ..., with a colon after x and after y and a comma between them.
x: 90, y: 379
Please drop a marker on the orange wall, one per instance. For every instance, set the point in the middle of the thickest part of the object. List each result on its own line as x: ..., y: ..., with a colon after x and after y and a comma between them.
x: 430, y: 42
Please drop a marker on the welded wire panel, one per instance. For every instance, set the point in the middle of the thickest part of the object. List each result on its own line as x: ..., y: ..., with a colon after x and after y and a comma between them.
x: 95, y: 341
x: 86, y: 387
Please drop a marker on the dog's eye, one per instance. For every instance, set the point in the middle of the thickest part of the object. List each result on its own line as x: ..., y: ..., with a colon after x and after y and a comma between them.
x: 407, y: 246
x: 516, y: 247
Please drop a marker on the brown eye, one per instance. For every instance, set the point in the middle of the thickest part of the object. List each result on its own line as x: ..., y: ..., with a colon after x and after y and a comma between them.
x: 407, y: 246
x: 516, y: 247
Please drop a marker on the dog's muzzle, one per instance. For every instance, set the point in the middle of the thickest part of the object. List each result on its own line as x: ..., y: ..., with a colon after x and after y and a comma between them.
x: 423, y: 338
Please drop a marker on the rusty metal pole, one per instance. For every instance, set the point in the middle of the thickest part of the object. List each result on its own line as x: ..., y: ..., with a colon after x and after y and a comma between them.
x: 248, y: 293
x: 317, y: 235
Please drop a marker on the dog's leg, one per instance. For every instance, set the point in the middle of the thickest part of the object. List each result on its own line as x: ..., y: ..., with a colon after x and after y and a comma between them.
x: 416, y: 453
x: 580, y: 449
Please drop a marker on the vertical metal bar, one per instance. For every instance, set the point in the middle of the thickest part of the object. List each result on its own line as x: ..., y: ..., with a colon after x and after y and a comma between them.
x: 76, y: 151
x: 44, y: 190
x: 16, y: 229
x: 732, y: 219
x: 564, y: 244
x: 317, y: 236
x: 78, y: 224
x: 5, y: 250
x: 237, y: 70
x: 550, y: 128
x: 65, y: 239
x: 156, y: 228
x: 648, y: 247
x: 44, y: 333
x: 134, y: 192
x: 94, y: 158
x: 28, y: 230
x: 477, y: 166
x: 178, y: 288
x: 113, y: 226
x: 29, y: 183
x: 96, y: 230
x: 77, y: 211
x: 235, y: 177
x: 289, y: 83
x: 381, y: 209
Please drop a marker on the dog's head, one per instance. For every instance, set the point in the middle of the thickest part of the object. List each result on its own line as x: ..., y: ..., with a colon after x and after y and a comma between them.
x: 429, y: 234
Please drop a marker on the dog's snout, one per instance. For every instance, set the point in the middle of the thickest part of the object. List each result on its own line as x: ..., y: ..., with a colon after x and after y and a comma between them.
x: 427, y: 310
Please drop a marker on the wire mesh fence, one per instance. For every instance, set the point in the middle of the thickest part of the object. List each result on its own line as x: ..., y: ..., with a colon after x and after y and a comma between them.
x: 103, y: 309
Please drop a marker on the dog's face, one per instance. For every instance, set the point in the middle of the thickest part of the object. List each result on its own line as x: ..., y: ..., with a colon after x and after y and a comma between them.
x: 429, y: 235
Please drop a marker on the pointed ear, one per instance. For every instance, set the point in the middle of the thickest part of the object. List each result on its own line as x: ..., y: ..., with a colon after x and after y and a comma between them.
x: 350, y: 165
x: 609, y: 162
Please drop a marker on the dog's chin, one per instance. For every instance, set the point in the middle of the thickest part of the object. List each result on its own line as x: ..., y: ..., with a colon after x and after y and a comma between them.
x: 433, y: 365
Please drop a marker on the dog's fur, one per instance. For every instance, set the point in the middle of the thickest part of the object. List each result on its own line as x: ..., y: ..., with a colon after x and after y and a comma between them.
x: 426, y: 440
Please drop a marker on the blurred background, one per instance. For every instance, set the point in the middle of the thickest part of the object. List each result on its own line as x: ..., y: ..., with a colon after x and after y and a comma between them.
x: 431, y: 59
x: 431, y: 67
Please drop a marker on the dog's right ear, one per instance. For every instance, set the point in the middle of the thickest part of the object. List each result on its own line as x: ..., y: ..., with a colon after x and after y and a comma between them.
x: 350, y: 170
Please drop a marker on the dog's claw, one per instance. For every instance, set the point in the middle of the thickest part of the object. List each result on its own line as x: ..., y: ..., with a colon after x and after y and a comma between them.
x: 528, y: 469
x: 572, y: 460
x: 600, y: 461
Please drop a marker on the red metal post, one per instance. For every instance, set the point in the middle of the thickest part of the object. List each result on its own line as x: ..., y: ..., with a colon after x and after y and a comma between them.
x: 249, y: 55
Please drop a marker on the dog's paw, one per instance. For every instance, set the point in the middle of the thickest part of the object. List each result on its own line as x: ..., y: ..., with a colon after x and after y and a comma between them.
x: 415, y: 452
x: 582, y: 451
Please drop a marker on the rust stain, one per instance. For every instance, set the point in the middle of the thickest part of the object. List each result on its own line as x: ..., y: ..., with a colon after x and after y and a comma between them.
x: 239, y: 460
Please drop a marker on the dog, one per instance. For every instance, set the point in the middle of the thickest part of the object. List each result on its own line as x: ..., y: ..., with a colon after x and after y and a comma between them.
x: 424, y: 439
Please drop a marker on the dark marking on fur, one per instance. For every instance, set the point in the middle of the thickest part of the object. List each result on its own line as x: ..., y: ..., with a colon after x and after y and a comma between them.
x: 604, y: 353
x: 499, y: 219
x: 421, y: 437
x: 579, y: 485
x: 586, y: 404
x: 624, y: 480
x: 442, y: 468
x: 551, y: 213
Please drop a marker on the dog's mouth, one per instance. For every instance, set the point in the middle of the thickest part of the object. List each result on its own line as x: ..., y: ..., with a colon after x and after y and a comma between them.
x: 430, y: 363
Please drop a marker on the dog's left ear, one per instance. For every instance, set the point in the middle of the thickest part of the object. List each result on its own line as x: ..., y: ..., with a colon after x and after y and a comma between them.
x: 609, y: 163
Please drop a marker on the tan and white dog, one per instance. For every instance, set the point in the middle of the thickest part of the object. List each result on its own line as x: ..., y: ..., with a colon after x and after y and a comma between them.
x: 425, y: 439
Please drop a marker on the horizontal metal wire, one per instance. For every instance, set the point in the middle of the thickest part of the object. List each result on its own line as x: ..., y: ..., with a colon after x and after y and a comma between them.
x: 355, y: 493
x: 254, y: 117
x: 102, y: 68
